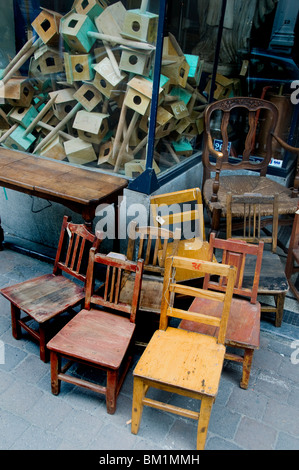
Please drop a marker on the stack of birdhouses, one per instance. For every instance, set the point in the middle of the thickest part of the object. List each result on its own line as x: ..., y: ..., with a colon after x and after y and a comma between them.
x: 87, y: 95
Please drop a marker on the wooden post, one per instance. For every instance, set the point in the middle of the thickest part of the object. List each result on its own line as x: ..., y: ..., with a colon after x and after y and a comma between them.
x: 126, y: 140
x: 21, y: 60
x: 40, y: 115
x: 121, y: 123
x: 122, y: 41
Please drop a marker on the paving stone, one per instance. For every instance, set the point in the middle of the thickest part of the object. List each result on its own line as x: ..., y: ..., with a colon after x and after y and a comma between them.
x: 247, y: 402
x: 218, y: 443
x: 11, y: 429
x: 255, y: 435
x: 282, y: 417
x: 286, y: 442
x: 35, y: 438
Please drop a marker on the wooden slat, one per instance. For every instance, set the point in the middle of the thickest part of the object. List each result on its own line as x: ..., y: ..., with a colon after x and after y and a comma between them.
x: 195, y: 292
x: 193, y: 316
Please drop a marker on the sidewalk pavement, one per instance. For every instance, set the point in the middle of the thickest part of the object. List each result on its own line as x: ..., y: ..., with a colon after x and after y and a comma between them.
x: 266, y: 416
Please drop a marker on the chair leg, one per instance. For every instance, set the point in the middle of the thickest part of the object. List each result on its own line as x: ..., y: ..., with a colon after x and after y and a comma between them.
x: 43, y: 352
x: 111, y: 393
x: 137, y: 405
x: 55, y: 370
x: 279, y: 309
x: 247, y: 361
x: 203, y: 421
x: 15, y: 325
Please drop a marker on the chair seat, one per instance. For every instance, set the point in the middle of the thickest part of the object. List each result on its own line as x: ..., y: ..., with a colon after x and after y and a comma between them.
x: 272, y: 276
x: 240, y: 184
x: 243, y: 327
x: 45, y: 296
x: 95, y: 336
x: 181, y: 359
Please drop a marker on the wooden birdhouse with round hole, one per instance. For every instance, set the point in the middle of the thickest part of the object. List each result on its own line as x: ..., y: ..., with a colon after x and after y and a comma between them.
x: 91, y: 8
x: 64, y: 102
x: 140, y: 25
x: 91, y: 127
x: 106, y: 79
x: 18, y: 140
x: 78, y: 67
x: 139, y: 94
x: 23, y: 116
x: 47, y: 24
x: 79, y: 151
x: 74, y: 30
x: 48, y: 60
x: 89, y: 96
x: 136, y: 61
x: 106, y: 153
x: 111, y: 20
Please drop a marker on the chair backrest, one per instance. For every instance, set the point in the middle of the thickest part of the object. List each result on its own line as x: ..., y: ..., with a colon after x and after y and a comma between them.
x: 293, y: 249
x: 236, y: 253
x: 73, y: 248
x: 115, y: 265
x: 171, y: 287
x: 256, y: 211
x: 179, y: 207
x: 150, y: 243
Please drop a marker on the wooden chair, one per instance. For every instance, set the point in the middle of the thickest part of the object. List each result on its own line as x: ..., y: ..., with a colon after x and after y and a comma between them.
x: 45, y: 297
x: 250, y: 212
x: 293, y: 255
x: 100, y: 338
x: 180, y: 361
x: 235, y: 156
x: 149, y: 243
x: 273, y: 281
x: 182, y: 208
x: 243, y: 328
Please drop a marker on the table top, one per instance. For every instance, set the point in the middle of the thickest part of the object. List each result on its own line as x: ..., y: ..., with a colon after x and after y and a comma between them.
x: 55, y: 180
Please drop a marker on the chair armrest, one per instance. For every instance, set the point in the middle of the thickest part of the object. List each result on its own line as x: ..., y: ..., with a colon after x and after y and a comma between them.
x: 286, y: 146
x: 211, y: 148
x: 289, y: 148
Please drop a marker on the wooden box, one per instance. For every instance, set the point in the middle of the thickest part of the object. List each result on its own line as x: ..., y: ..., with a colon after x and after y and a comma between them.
x: 223, y: 87
x: 196, y: 65
x: 17, y: 91
x: 78, y: 151
x: 91, y: 127
x: 89, y: 96
x: 183, y: 147
x: 46, y: 24
x: 48, y: 60
x: 140, y: 25
x: 177, y: 70
x: 111, y: 20
x: 106, y: 153
x: 136, y: 167
x: 78, y: 67
x: 106, y: 80
x: 74, y: 30
x: 178, y: 109
x: 91, y: 8
x: 18, y: 141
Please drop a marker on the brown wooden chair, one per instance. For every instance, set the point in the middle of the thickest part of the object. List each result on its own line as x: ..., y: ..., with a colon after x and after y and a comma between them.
x: 100, y: 338
x: 243, y: 328
x: 233, y: 156
x: 45, y: 297
x: 292, y: 263
x: 180, y: 361
x: 151, y: 244
x: 182, y: 209
x: 273, y: 281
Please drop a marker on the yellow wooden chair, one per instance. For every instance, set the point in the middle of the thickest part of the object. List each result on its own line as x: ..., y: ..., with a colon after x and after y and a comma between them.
x: 182, y: 208
x: 180, y: 361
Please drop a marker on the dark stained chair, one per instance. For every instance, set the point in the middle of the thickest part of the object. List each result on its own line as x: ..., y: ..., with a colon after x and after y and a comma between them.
x: 45, y: 297
x: 232, y: 156
x: 292, y: 262
x: 100, y: 338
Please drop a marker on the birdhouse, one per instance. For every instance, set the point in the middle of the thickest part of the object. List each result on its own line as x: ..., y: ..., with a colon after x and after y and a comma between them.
x: 54, y: 149
x: 223, y: 87
x: 64, y: 102
x: 89, y: 96
x: 176, y: 68
x: 78, y: 67
x: 139, y: 94
x: 178, y: 109
x: 106, y: 153
x: 17, y: 91
x: 111, y: 20
x: 48, y: 60
x: 140, y: 25
x: 195, y: 70
x: 136, y: 167
x: 137, y: 62
x: 91, y: 8
x: 46, y: 24
x: 183, y: 147
x: 165, y: 123
x: 91, y: 127
x: 106, y: 80
x: 78, y: 151
x: 17, y: 140
x: 23, y: 116
x: 74, y: 30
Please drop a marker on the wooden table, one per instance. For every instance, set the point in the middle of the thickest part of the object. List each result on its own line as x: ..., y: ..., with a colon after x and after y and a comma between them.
x: 81, y: 190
